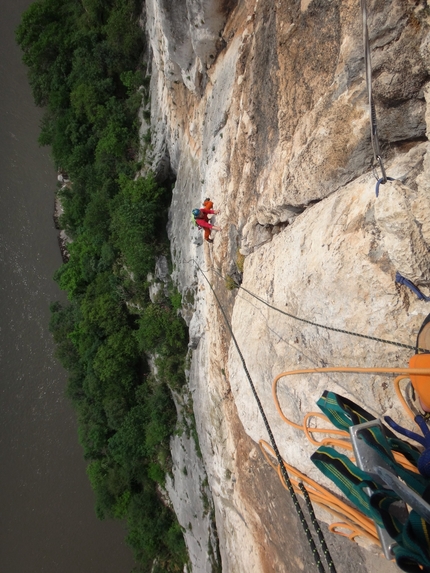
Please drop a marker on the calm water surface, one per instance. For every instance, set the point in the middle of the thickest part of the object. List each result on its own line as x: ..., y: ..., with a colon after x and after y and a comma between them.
x: 47, y: 518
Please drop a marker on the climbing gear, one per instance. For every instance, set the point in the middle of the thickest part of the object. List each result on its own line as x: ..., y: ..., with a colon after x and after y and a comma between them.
x: 383, y: 182
x: 417, y: 348
x: 395, y: 534
x: 408, y: 539
x: 368, y: 461
x: 377, y: 159
x: 423, y: 337
x: 196, y: 212
x: 350, y: 333
x: 421, y: 384
x: 406, y: 282
x: 423, y: 463
x: 355, y: 412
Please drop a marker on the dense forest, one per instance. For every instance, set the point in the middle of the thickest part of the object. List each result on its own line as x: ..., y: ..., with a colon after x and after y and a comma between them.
x: 87, y: 71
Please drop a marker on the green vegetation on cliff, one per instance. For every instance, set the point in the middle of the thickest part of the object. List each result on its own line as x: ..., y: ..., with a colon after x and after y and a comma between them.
x: 85, y: 69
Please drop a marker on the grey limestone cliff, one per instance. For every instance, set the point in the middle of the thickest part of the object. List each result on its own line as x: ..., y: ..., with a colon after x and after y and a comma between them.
x: 262, y: 106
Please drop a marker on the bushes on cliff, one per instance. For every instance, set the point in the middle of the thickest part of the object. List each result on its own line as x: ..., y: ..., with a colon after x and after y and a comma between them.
x: 76, y: 54
x: 85, y: 68
x: 138, y: 215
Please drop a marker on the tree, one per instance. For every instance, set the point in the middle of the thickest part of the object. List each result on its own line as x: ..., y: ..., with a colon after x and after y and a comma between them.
x: 136, y: 223
x: 83, y: 58
x: 46, y: 39
x: 116, y: 356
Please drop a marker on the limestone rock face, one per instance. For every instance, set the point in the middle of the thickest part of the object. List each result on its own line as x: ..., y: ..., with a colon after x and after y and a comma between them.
x: 185, y: 37
x: 275, y: 129
x: 189, y: 493
x: 335, y: 266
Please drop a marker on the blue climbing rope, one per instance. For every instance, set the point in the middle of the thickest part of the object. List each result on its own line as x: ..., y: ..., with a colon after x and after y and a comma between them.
x: 381, y: 180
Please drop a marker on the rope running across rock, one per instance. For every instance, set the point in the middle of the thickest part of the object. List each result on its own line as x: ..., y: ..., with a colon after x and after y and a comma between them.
x: 285, y: 475
x: 325, y: 326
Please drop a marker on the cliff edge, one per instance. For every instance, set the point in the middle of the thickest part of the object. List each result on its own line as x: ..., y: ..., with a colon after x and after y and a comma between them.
x: 262, y: 106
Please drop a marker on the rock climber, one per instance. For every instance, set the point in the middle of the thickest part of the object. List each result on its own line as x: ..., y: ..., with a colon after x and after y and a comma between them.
x: 202, y: 220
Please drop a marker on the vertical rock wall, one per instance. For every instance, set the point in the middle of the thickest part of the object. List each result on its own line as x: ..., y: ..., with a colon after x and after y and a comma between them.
x: 262, y: 106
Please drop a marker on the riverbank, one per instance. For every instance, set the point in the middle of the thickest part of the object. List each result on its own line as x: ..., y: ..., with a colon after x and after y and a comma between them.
x: 47, y: 505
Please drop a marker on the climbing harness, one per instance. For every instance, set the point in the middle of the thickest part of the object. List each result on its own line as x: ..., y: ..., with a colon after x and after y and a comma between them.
x: 377, y: 159
x: 283, y: 469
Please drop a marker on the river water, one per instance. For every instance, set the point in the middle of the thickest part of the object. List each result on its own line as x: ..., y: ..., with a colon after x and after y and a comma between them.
x: 47, y: 517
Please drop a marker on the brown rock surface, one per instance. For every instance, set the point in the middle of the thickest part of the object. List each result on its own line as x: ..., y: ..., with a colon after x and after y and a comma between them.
x: 276, y: 131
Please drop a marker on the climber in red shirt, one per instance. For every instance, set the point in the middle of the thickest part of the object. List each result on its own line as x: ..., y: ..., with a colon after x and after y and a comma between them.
x: 202, y: 220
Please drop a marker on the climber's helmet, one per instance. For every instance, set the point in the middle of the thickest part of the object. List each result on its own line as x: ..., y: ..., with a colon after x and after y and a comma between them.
x: 196, y: 212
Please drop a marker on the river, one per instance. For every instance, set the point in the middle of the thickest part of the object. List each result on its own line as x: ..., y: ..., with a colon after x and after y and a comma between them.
x: 48, y: 522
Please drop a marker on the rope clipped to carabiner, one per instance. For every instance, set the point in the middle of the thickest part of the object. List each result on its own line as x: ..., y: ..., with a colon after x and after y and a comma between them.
x: 378, y: 183
x: 377, y: 159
